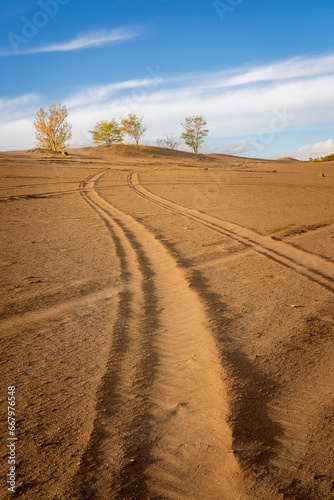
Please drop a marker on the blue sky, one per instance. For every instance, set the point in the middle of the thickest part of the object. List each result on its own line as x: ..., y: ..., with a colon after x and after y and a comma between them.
x: 262, y: 73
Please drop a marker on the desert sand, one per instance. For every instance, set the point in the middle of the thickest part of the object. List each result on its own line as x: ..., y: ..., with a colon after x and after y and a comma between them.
x: 167, y: 322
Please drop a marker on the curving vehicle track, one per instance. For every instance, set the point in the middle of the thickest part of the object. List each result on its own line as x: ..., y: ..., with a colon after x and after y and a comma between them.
x: 160, y: 429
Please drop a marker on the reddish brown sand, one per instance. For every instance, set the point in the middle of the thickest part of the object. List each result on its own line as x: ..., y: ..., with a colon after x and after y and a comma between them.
x: 166, y: 319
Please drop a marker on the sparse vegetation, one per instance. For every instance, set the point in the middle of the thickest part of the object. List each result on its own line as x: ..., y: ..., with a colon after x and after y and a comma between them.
x: 169, y: 142
x: 322, y: 159
x: 52, y: 128
x: 133, y: 126
x: 194, y: 132
x: 107, y: 133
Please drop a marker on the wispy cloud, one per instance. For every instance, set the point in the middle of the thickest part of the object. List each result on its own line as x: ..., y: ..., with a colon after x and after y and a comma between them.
x: 100, y: 93
x: 15, y: 102
x: 239, y: 147
x: 294, y: 68
x: 206, y: 83
x: 297, y: 67
x: 83, y: 41
x: 17, y: 107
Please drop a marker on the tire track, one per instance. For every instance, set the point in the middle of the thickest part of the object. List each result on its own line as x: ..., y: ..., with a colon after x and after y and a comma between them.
x: 311, y: 266
x: 160, y: 429
x: 55, y: 310
x: 123, y: 408
x: 48, y: 194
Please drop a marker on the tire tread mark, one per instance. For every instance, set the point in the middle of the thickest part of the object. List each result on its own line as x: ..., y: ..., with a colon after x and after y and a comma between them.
x: 123, y: 408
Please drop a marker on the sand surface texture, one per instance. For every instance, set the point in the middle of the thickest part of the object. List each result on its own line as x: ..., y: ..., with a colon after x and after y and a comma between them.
x: 167, y: 321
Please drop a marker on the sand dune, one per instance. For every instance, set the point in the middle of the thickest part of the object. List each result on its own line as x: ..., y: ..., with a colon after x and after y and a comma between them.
x: 167, y: 320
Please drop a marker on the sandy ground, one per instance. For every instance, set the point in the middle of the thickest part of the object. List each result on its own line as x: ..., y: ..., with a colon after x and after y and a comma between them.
x: 167, y: 322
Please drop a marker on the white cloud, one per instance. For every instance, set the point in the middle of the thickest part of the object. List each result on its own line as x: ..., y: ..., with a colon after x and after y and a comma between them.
x: 84, y: 41
x: 318, y: 149
x: 100, y: 93
x: 239, y: 147
x: 17, y: 108
x: 297, y: 67
x: 18, y: 134
x: 8, y: 105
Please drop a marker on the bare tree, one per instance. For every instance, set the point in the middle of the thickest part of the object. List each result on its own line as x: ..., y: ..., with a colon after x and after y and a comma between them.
x: 169, y: 142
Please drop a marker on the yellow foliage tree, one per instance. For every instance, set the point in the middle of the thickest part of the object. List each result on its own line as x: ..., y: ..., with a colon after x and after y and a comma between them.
x: 133, y: 126
x: 106, y: 133
x: 52, y: 129
x: 195, y: 131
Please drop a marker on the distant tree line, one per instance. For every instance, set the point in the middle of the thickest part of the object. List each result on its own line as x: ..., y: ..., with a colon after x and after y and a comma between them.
x: 107, y: 133
x: 53, y: 130
x: 322, y: 158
